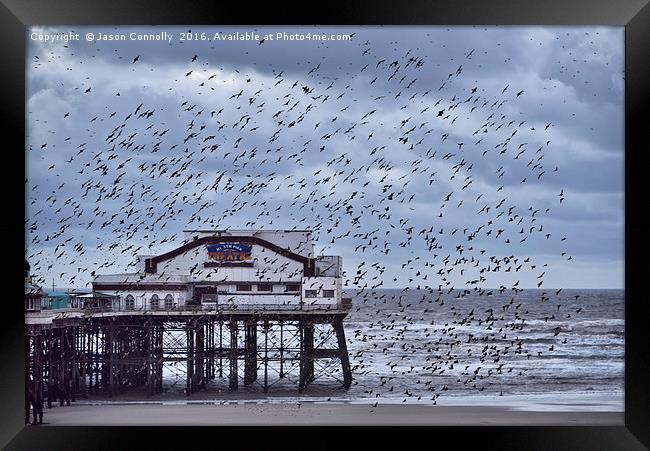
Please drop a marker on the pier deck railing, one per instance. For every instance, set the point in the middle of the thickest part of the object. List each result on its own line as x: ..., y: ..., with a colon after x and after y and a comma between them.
x: 217, y: 308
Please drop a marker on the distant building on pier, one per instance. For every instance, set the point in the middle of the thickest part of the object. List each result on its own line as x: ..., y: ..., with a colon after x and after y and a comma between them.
x: 33, y: 293
x: 231, y: 269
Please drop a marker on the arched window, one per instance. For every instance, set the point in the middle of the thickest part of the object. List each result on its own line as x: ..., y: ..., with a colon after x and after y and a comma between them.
x: 154, y: 302
x: 130, y: 302
x: 169, y: 302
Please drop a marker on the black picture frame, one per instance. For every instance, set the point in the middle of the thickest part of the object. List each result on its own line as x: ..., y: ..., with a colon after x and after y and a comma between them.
x: 15, y: 15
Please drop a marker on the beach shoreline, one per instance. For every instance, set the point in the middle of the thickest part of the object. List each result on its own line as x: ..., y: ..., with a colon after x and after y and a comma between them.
x: 310, y: 413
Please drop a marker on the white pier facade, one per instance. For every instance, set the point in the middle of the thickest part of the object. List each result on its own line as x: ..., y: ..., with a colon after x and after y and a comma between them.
x: 230, y: 269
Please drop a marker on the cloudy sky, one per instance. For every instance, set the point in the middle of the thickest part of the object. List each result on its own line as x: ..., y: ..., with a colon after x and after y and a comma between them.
x: 428, y: 156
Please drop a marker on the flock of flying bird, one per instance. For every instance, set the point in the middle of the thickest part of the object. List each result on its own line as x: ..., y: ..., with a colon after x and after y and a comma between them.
x: 418, y: 183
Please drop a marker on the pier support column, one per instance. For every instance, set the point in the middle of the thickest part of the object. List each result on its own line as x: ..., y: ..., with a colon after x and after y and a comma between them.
x: 90, y: 356
x: 51, y: 370
x: 199, y: 373
x: 233, y: 385
x: 76, y: 357
x: 99, y: 361
x: 220, y: 348
x: 72, y: 362
x: 34, y: 368
x: 210, y: 349
x: 309, y: 347
x: 149, y: 349
x: 207, y: 350
x: 159, y: 357
x: 266, y: 356
x: 281, y: 349
x: 250, y: 358
x: 306, y: 355
x: 190, y: 357
x: 63, y: 380
x: 343, y: 352
x: 29, y: 368
x: 81, y: 347
x: 38, y: 378
x: 109, y: 343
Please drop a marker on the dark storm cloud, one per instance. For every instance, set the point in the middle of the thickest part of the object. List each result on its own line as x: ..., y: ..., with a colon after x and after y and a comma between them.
x: 570, y: 78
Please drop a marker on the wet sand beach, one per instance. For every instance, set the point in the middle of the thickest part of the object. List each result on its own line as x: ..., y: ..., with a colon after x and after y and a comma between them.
x: 164, y: 414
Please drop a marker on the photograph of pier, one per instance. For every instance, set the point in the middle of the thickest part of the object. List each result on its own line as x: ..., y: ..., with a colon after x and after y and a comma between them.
x: 324, y: 225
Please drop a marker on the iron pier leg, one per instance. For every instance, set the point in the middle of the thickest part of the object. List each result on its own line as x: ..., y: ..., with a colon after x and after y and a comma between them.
x: 149, y: 360
x: 65, y: 363
x: 199, y: 374
x: 343, y: 353
x: 51, y: 371
x: 110, y: 347
x: 34, y: 367
x: 233, y: 356
x: 37, y: 398
x: 250, y: 359
x: 190, y: 358
x: 159, y: 357
x: 90, y: 358
x: 309, y: 342
x: 281, y: 350
x: 211, y: 347
x: 76, y: 374
x: 211, y: 344
x: 82, y: 363
x: 29, y: 368
x: 220, y: 348
x: 306, y: 355
x: 266, y: 356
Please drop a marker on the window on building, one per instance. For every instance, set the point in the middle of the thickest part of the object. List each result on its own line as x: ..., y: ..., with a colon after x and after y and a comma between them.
x: 244, y: 287
x: 328, y: 293
x: 155, y: 302
x: 264, y: 287
x: 208, y: 297
x: 311, y: 293
x: 130, y: 302
x: 169, y: 302
x: 293, y: 287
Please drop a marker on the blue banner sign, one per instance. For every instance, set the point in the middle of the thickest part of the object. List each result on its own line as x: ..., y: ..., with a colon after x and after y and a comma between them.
x: 229, y: 252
